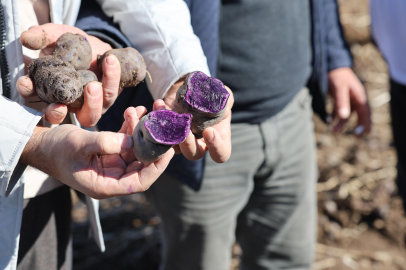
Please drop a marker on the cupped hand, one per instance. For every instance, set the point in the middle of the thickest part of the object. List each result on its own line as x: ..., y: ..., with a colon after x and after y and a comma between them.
x: 97, y: 97
x: 95, y: 163
x: 216, y: 139
x: 349, y: 96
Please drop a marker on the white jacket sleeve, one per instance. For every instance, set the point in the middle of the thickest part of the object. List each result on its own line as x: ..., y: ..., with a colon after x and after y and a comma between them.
x: 16, y: 126
x: 161, y: 30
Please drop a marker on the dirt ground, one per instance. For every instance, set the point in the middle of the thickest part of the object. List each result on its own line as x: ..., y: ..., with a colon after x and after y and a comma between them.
x: 361, y: 221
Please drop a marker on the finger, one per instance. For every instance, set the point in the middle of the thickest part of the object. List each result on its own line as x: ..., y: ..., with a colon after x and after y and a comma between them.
x: 151, y: 172
x: 110, y: 80
x: 159, y: 104
x: 177, y: 150
x: 105, y: 143
x: 192, y: 148
x: 91, y: 111
x: 42, y: 36
x: 132, y: 116
x: 364, y: 120
x: 140, y: 177
x: 113, y: 161
x: 340, y: 125
x: 342, y: 102
x: 219, y: 149
x: 55, y: 113
x: 35, y: 38
x: 25, y: 87
x: 135, y: 166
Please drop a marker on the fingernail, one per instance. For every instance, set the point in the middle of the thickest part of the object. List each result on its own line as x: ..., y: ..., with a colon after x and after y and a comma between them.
x: 93, y: 89
x: 56, y: 114
x: 126, y: 142
x: 110, y: 60
x: 359, y: 130
x: 344, y: 113
x: 210, y: 136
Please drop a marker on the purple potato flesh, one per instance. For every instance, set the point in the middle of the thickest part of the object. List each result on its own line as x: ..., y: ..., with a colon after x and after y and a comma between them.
x: 205, y: 98
x: 168, y: 127
x: 205, y: 93
x: 157, y: 132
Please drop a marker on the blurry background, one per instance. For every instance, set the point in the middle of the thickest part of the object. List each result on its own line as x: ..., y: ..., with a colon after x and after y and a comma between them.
x: 361, y: 219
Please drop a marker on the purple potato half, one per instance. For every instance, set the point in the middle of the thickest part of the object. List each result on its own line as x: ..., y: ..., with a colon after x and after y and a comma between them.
x: 133, y: 67
x: 205, y: 98
x: 55, y: 81
x: 74, y: 49
x: 157, y: 132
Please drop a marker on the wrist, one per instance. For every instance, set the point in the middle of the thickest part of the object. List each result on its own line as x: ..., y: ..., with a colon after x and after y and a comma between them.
x: 31, y: 154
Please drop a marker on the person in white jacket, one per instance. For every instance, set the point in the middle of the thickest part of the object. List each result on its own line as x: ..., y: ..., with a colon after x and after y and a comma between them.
x: 68, y: 153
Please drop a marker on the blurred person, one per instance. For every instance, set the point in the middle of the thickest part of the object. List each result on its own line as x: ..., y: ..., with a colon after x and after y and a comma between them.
x: 272, y: 54
x: 387, y: 22
x: 96, y: 164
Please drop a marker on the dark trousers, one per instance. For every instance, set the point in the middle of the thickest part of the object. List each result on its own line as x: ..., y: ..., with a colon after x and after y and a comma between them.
x: 45, y: 236
x: 398, y: 113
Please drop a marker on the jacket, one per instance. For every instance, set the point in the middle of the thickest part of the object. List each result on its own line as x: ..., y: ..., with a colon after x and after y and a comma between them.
x: 153, y: 38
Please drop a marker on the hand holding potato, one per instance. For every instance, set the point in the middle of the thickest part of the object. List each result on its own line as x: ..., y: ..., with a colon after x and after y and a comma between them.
x: 216, y: 139
x: 97, y: 98
x: 99, y: 164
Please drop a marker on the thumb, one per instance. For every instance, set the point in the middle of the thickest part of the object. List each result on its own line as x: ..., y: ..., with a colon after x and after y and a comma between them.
x: 342, y: 102
x: 107, y: 143
x: 35, y: 38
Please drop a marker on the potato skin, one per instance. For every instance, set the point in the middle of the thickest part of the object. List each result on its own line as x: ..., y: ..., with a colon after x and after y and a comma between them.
x: 201, y: 120
x: 74, y: 49
x: 85, y: 77
x: 55, y: 81
x: 146, y: 148
x: 133, y: 67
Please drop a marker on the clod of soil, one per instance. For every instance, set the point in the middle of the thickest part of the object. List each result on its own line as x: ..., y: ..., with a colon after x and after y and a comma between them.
x: 133, y: 67
x: 157, y: 132
x: 55, y: 81
x: 205, y: 98
x: 74, y: 49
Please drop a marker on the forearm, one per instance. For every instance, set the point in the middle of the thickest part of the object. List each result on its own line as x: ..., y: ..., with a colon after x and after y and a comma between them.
x: 164, y: 37
x: 33, y: 154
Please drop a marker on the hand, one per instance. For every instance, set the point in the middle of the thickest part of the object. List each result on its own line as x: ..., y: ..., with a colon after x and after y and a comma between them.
x: 97, y: 98
x: 92, y: 162
x: 349, y: 95
x: 216, y: 139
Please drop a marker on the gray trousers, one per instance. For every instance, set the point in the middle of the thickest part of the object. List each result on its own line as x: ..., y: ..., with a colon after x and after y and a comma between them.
x: 264, y: 197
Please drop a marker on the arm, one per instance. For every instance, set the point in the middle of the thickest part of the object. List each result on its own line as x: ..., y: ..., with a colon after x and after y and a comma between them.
x: 348, y: 92
x: 16, y: 127
x: 162, y: 32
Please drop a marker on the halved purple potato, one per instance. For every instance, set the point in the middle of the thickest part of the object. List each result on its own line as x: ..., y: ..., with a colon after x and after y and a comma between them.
x: 205, y: 98
x: 133, y: 67
x: 85, y: 77
x: 74, y: 49
x: 157, y: 132
x: 55, y: 81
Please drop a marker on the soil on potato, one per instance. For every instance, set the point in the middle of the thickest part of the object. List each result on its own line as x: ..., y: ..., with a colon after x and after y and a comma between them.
x: 361, y: 221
